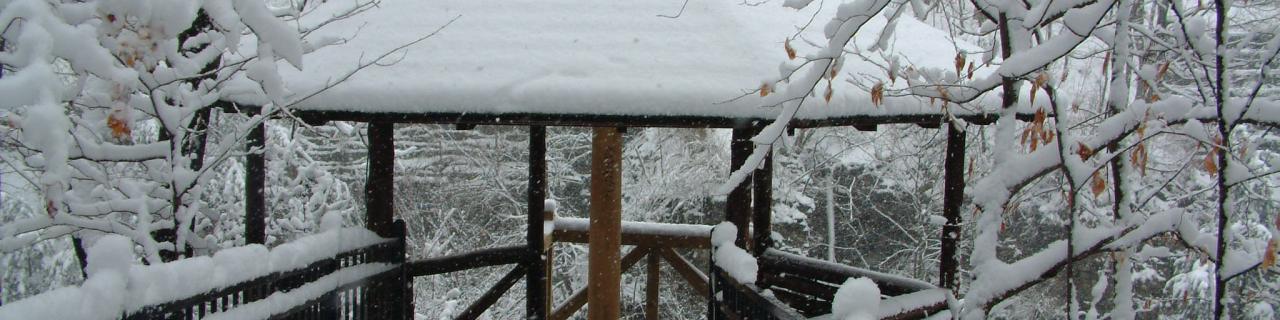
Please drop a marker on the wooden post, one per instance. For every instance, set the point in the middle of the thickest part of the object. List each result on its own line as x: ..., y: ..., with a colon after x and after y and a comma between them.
x: 536, y: 274
x: 549, y: 251
x: 406, y: 306
x: 651, y: 286
x: 379, y: 188
x: 738, y: 202
x: 603, y: 267
x: 762, y: 206
x: 952, y: 198
x: 255, y: 181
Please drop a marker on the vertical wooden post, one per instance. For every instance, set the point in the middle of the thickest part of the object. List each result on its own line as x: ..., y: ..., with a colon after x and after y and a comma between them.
x: 255, y: 181
x: 652, y: 285
x: 762, y: 206
x: 738, y: 202
x: 406, y: 306
x: 549, y: 251
x: 605, y: 238
x: 952, y: 198
x: 379, y: 188
x: 536, y: 273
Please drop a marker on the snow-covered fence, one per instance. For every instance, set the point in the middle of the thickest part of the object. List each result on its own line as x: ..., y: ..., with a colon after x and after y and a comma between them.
x: 348, y: 273
x: 739, y: 300
x: 810, y: 286
x: 361, y: 283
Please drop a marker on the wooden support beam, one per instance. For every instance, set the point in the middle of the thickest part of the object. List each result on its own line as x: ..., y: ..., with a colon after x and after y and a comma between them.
x: 603, y: 268
x: 579, y: 298
x: 652, y: 285
x: 571, y: 306
x: 491, y: 296
x: 929, y: 124
x: 738, y: 202
x: 952, y: 199
x: 536, y: 280
x: 696, y: 279
x: 255, y: 181
x: 379, y: 188
x: 469, y: 260
x: 762, y: 206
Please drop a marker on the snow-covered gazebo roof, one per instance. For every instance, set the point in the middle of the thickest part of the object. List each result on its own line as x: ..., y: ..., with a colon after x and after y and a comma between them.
x: 584, y: 63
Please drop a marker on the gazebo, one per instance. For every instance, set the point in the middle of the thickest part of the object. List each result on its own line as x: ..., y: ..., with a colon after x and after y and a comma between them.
x: 612, y: 66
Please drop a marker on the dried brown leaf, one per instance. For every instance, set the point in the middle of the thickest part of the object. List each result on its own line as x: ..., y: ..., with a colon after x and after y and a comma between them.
x: 1084, y: 151
x: 1098, y: 185
x: 791, y: 52
x: 827, y: 96
x: 1269, y: 257
x: 877, y: 94
x: 119, y: 126
x: 1211, y: 163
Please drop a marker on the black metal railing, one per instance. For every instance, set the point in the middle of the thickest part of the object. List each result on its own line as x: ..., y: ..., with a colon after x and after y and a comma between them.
x: 383, y: 295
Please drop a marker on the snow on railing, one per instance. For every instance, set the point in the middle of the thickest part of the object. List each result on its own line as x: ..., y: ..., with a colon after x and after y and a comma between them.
x: 116, y: 285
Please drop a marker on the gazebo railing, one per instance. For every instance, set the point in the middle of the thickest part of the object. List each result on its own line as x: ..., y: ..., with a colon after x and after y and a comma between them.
x: 809, y: 285
x: 364, y: 283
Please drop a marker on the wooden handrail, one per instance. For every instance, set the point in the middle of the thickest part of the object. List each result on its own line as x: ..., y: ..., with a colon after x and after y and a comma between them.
x: 775, y: 261
x: 639, y: 233
x: 469, y: 260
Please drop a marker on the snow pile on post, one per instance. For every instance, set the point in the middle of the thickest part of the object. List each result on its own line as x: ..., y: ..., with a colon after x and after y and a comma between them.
x: 857, y: 299
x: 117, y: 284
x: 733, y: 260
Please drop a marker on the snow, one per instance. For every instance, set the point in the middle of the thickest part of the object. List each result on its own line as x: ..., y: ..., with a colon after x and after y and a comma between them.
x: 111, y: 253
x: 561, y: 56
x: 937, y: 220
x: 117, y: 284
x: 653, y: 228
x: 735, y: 261
x: 912, y: 301
x: 857, y: 299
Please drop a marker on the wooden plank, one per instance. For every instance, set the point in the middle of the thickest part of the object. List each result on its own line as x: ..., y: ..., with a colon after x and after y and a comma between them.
x: 536, y: 281
x: 929, y: 124
x: 806, y: 305
x: 468, y: 260
x: 815, y: 289
x: 379, y: 190
x: 762, y: 206
x: 603, y: 268
x: 638, y: 238
x: 952, y: 199
x: 579, y: 298
x: 774, y: 261
x: 255, y: 181
x: 652, y: 285
x: 738, y: 203
x: 696, y: 279
x: 491, y: 296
